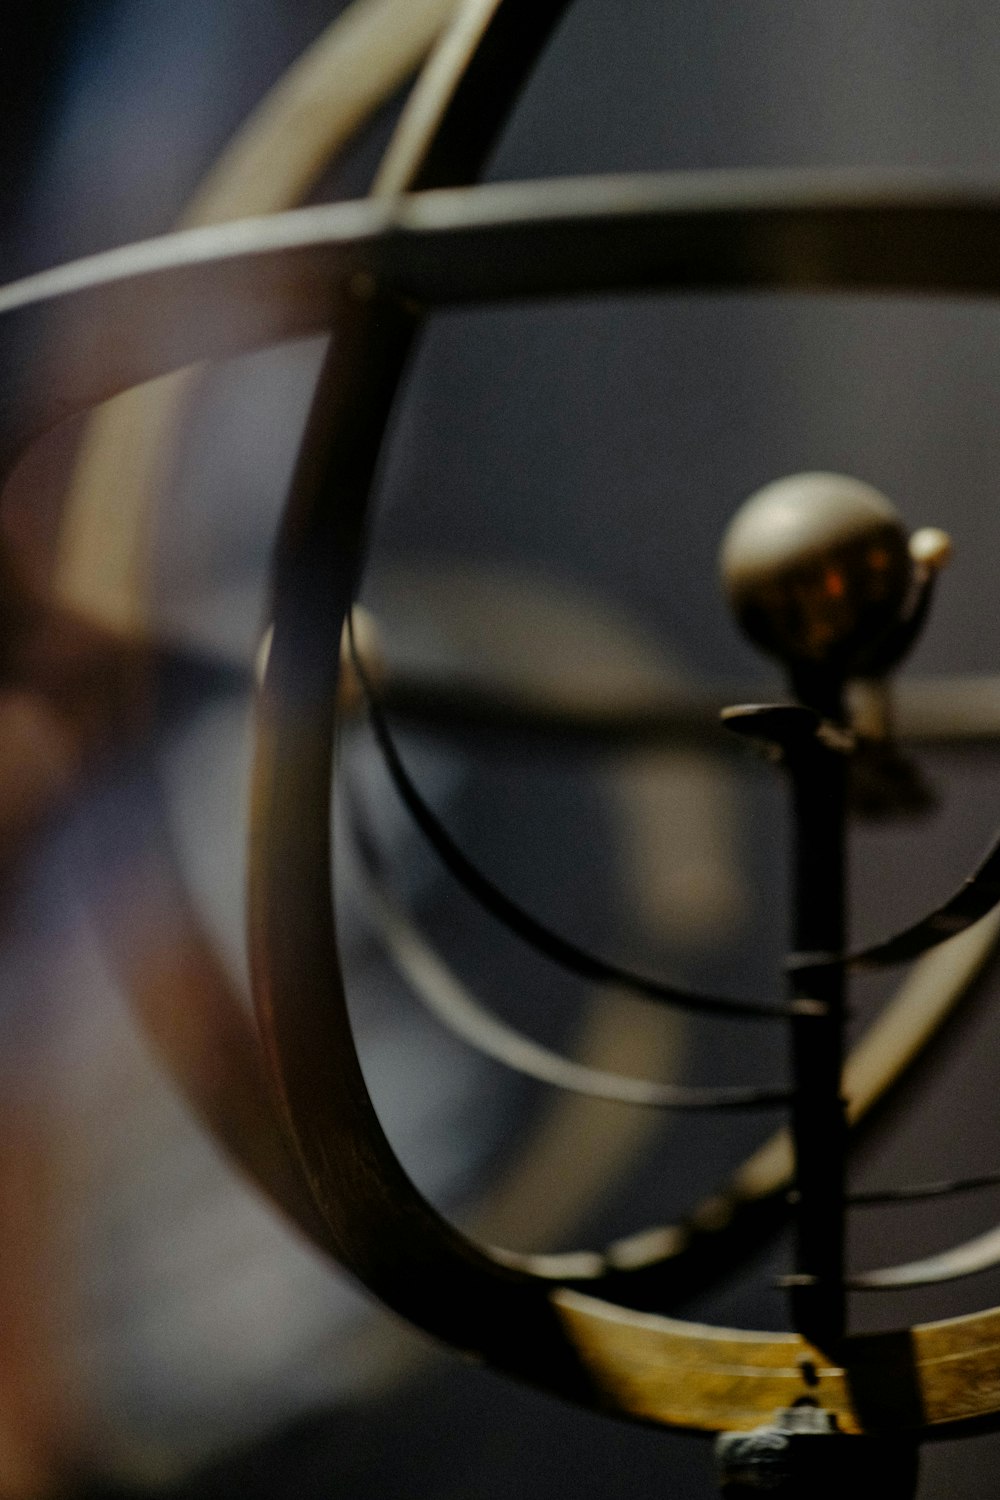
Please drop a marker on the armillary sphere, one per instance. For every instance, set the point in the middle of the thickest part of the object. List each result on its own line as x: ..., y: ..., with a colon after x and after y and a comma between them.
x: 821, y: 574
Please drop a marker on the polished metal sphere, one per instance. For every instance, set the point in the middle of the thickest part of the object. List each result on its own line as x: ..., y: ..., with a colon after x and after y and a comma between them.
x: 817, y: 568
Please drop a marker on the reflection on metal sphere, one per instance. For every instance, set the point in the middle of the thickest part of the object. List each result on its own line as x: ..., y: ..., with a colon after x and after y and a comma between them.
x: 816, y: 568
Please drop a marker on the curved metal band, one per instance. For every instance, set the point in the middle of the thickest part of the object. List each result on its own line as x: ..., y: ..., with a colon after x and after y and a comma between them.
x: 385, y: 1231
x: 971, y: 1257
x: 128, y: 315
x: 978, y: 895
x: 928, y: 1379
x: 519, y: 920
x: 975, y: 899
x: 918, y: 1192
x: 296, y: 131
x: 442, y: 993
x: 928, y: 711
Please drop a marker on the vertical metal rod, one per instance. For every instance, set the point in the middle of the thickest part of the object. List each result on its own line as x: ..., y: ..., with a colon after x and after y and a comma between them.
x: 819, y: 790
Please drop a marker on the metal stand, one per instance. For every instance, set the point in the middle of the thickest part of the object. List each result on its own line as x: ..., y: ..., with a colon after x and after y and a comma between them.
x: 802, y: 1456
x: 818, y: 772
x: 821, y: 575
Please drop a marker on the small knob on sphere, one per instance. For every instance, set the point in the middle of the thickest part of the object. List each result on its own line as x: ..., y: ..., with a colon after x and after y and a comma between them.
x: 931, y: 548
x: 816, y: 568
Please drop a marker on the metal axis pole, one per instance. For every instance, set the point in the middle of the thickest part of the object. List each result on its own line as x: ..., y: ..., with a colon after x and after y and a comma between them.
x: 818, y: 771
